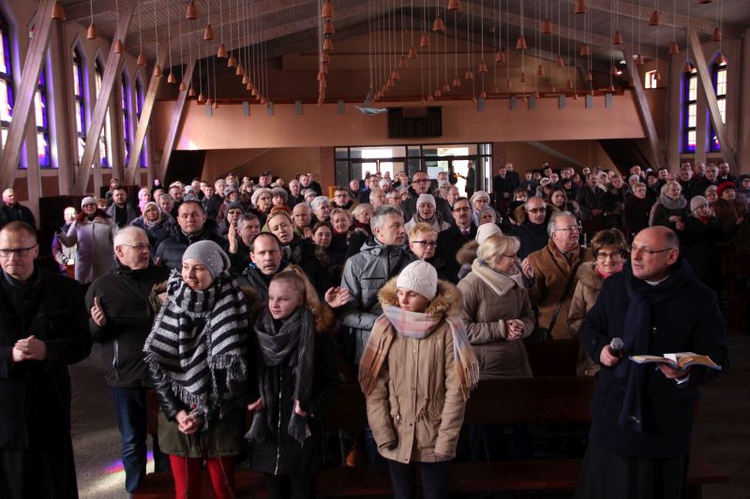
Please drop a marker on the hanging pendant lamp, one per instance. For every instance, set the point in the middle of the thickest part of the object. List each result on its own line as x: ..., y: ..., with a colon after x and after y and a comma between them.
x: 208, y: 33
x: 141, y: 60
x: 654, y: 20
x: 580, y: 7
x: 191, y: 14
x: 92, y: 33
x: 521, y: 43
x: 617, y: 38
x: 58, y: 12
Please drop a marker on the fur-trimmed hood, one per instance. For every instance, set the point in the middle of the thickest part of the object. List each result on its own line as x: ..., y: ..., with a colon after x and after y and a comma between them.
x: 447, y: 301
x: 589, y: 277
x: 467, y: 253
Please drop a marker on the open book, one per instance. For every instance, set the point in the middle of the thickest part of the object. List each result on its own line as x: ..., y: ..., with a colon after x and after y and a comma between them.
x: 679, y: 360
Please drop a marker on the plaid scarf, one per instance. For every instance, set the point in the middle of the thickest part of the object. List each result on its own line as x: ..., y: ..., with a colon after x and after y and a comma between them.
x: 197, y: 345
x: 398, y: 322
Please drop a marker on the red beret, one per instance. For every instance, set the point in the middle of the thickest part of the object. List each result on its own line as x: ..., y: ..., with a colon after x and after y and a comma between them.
x: 723, y: 187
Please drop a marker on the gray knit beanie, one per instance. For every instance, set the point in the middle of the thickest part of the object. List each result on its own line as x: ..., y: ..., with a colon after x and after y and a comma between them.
x: 209, y: 254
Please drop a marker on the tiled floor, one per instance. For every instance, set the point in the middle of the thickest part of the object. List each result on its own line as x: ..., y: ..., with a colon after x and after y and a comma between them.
x: 722, y: 433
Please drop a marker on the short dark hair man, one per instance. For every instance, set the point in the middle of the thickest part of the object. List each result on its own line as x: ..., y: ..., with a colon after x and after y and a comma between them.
x: 120, y: 210
x: 43, y: 331
x: 644, y: 416
x: 192, y: 226
x: 121, y: 319
x: 452, y: 239
x: 266, y: 256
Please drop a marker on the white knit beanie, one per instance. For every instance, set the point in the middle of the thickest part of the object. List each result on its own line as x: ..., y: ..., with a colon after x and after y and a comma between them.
x: 88, y: 200
x: 420, y: 277
x: 426, y: 198
x: 209, y: 254
x: 486, y: 230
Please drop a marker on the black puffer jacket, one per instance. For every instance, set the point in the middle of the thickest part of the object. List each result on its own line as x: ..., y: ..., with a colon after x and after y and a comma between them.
x: 124, y: 296
x: 170, y: 251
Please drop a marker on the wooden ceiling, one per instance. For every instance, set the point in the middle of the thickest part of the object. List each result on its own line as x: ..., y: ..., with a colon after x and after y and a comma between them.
x: 291, y: 26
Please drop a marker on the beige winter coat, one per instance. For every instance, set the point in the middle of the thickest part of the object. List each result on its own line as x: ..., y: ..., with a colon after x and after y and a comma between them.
x: 552, y: 271
x: 589, y: 284
x: 484, y: 311
x: 416, y: 409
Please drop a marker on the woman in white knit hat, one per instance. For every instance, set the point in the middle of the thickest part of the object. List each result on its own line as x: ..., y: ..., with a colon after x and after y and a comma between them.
x: 416, y: 373
x: 427, y: 212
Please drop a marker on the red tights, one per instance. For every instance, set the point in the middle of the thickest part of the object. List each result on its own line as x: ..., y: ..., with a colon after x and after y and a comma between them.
x: 187, y: 476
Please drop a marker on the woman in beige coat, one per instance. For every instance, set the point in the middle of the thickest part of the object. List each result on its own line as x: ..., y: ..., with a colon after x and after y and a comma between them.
x: 497, y: 310
x: 416, y: 373
x: 610, y: 249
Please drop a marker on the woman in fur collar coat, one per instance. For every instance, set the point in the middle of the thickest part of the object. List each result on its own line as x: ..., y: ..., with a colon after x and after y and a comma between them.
x: 416, y: 373
x: 610, y: 250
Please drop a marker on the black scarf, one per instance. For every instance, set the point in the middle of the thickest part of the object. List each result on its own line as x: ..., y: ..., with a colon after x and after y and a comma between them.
x: 643, y: 298
x: 290, y: 345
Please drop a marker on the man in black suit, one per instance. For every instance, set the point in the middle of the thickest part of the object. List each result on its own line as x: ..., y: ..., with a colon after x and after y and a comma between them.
x: 451, y: 240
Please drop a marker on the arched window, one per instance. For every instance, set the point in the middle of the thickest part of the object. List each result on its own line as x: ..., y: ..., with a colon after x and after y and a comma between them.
x: 6, y: 79
x: 719, y: 78
x: 41, y: 114
x: 105, y: 138
x: 139, y: 101
x: 126, y: 121
x: 689, y: 111
x: 80, y: 101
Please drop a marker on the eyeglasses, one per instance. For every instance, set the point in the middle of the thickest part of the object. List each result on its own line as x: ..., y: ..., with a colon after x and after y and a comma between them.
x: 536, y: 210
x: 20, y: 252
x: 421, y: 180
x: 569, y: 228
x: 615, y: 256
x: 464, y: 208
x: 512, y: 256
x: 426, y: 244
x: 650, y: 252
x: 137, y: 246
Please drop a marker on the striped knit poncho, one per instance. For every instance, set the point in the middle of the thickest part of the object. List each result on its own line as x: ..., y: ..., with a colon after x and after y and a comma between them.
x: 197, y: 345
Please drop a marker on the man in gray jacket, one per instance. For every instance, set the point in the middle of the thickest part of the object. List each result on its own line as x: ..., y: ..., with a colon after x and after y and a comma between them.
x: 381, y: 257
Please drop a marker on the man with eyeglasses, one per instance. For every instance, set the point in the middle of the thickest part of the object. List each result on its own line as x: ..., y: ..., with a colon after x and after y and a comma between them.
x: 341, y: 199
x: 421, y: 184
x: 42, y: 332
x: 532, y: 232
x: 453, y: 238
x: 640, y: 439
x: 554, y: 270
x: 121, y: 314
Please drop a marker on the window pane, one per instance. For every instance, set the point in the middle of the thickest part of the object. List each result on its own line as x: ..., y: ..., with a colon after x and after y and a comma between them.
x: 5, y: 104
x: 42, y: 150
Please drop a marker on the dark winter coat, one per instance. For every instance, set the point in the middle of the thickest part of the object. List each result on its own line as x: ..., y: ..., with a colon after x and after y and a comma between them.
x: 533, y: 237
x: 688, y: 321
x: 124, y: 296
x: 282, y: 454
x: 35, y: 396
x: 170, y: 251
x: 450, y: 242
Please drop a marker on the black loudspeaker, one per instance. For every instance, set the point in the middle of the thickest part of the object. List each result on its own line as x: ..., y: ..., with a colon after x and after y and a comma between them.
x: 415, y: 122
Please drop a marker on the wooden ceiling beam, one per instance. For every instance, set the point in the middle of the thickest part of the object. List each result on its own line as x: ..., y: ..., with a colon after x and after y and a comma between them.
x: 132, y: 170
x: 112, y: 69
x: 728, y: 150
x: 657, y: 156
x: 175, y: 124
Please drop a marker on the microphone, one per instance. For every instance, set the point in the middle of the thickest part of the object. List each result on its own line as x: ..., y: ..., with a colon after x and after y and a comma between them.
x: 616, y: 346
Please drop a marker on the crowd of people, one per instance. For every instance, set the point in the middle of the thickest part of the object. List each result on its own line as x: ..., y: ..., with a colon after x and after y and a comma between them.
x: 238, y: 297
